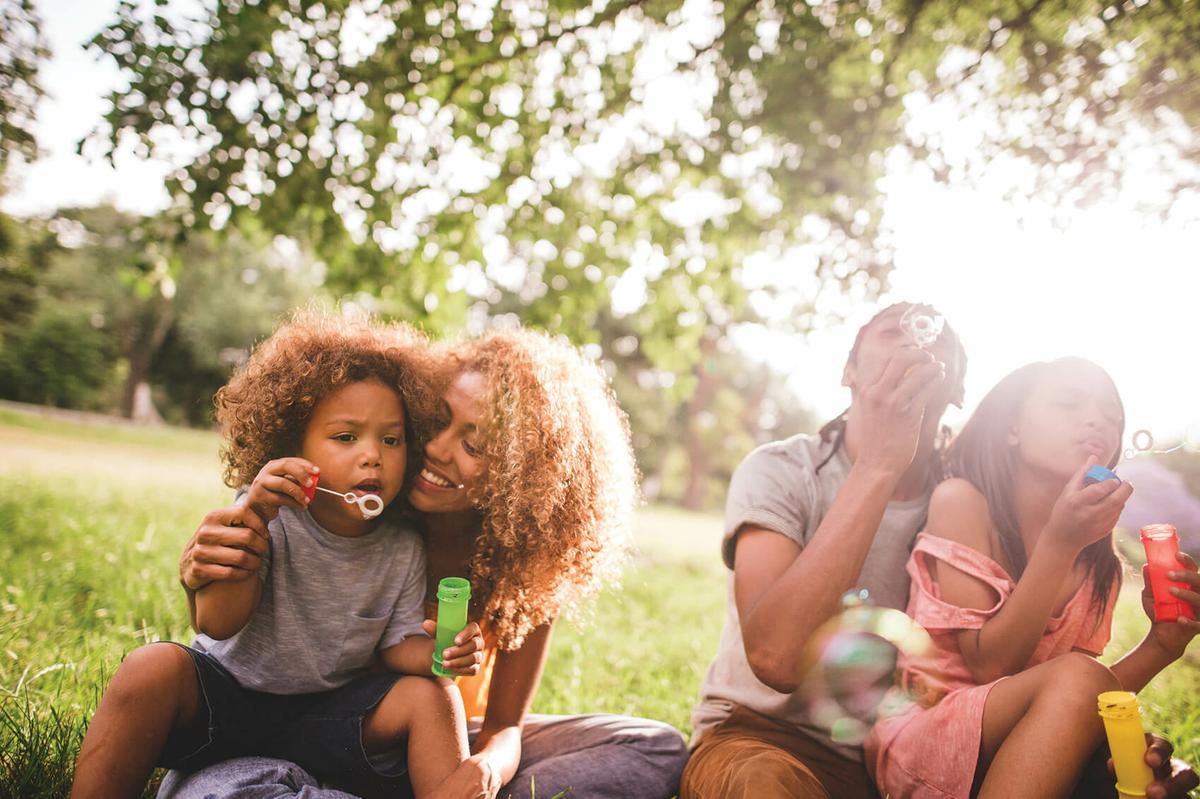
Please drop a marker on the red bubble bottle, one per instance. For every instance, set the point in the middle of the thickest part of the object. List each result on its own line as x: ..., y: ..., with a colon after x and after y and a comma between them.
x: 1161, y: 542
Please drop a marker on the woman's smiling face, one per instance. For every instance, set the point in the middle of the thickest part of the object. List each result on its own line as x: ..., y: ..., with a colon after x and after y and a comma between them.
x: 453, y: 460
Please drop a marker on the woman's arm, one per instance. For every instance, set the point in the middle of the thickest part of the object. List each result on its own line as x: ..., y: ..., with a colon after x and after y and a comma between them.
x: 515, y: 679
x: 219, y: 568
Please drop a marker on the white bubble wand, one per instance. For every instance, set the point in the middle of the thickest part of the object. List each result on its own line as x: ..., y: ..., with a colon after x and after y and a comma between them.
x: 369, y: 505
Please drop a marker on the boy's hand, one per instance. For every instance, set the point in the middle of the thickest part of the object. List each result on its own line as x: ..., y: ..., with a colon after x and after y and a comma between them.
x: 1084, y: 514
x: 228, y: 545
x: 281, y: 482
x: 465, y: 656
x: 1174, y: 636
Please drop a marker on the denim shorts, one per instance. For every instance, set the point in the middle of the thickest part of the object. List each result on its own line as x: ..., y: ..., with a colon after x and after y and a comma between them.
x: 320, y: 731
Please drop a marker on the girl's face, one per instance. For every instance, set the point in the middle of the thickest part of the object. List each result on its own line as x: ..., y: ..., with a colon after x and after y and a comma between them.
x: 356, y: 437
x: 1072, y: 413
x: 453, y: 460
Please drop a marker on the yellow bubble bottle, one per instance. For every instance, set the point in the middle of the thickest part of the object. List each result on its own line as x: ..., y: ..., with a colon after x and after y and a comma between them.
x: 1127, y: 742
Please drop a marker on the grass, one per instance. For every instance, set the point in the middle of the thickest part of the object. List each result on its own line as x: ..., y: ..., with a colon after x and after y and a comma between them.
x: 92, y: 520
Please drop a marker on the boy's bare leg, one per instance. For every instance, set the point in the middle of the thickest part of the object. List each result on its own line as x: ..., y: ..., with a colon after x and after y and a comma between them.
x: 154, y: 691
x: 429, y: 713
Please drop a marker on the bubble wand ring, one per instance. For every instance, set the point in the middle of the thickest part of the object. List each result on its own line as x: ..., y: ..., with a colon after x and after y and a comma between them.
x: 923, y: 325
x: 369, y: 505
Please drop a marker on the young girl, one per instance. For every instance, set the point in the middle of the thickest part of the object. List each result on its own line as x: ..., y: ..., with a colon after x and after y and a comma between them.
x: 281, y: 663
x: 1015, y: 578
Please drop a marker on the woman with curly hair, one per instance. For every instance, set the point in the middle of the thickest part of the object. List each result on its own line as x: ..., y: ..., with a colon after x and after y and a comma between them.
x: 281, y: 665
x: 527, y: 489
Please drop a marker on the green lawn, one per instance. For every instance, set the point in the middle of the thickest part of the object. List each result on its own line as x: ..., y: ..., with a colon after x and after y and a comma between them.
x: 92, y: 519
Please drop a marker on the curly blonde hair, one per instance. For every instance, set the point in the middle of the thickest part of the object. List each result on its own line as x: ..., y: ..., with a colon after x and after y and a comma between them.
x: 560, y: 487
x: 264, y: 408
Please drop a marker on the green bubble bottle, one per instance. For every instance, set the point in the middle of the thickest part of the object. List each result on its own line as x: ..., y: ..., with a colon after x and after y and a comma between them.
x: 453, y: 593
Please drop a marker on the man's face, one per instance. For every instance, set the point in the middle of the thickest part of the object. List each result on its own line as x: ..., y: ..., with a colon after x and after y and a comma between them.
x: 881, y: 340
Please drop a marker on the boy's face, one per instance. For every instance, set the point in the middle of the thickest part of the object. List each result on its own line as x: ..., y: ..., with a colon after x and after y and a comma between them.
x: 356, y: 437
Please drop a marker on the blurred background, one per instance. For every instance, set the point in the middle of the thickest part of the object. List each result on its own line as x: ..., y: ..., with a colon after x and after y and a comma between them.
x: 709, y: 197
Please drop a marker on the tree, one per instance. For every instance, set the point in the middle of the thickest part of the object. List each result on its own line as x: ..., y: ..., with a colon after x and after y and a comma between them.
x: 22, y: 49
x: 606, y: 169
x: 107, y: 300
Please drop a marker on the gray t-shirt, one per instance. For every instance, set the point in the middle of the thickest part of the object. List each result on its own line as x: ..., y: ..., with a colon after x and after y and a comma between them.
x: 778, y: 488
x: 328, y: 603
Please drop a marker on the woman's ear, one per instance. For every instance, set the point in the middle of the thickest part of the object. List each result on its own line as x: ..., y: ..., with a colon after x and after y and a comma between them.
x: 1012, y: 437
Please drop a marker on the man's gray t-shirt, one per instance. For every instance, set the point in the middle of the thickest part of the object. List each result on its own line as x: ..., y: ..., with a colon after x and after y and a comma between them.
x: 777, y: 487
x: 328, y: 603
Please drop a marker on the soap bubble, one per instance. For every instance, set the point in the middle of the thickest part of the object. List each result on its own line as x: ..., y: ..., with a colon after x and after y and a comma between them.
x: 1142, y: 442
x: 922, y: 324
x: 850, y: 671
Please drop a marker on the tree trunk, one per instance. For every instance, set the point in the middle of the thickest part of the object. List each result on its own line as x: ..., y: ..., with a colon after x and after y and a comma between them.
x: 150, y: 337
x: 707, y: 384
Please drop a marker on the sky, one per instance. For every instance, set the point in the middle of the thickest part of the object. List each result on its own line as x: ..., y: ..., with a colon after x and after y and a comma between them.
x: 1107, y: 284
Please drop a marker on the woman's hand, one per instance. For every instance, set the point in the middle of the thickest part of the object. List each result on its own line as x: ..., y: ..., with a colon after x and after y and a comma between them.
x: 1174, y: 636
x: 475, y: 778
x: 1084, y: 514
x: 228, y: 545
x: 281, y: 483
x: 466, y: 655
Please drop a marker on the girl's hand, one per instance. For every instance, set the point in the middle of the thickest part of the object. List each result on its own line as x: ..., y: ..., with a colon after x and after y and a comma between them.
x: 1174, y: 636
x: 1084, y: 514
x: 281, y: 482
x: 466, y: 655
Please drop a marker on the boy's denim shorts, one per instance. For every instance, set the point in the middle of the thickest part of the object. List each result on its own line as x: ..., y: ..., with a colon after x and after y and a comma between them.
x: 321, y: 732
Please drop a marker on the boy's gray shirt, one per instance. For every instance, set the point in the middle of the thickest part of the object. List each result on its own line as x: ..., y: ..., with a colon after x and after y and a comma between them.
x: 777, y: 487
x: 328, y: 604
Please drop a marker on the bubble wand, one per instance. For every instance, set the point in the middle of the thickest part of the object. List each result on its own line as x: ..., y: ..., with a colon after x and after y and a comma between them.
x: 369, y: 505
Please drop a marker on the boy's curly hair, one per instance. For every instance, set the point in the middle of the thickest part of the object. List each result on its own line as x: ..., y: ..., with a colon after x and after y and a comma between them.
x: 560, y: 486
x: 265, y: 407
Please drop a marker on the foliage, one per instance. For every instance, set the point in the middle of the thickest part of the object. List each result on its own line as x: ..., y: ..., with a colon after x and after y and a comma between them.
x: 22, y: 49
x: 642, y: 175
x: 101, y: 299
x: 58, y: 358
x: 547, y: 157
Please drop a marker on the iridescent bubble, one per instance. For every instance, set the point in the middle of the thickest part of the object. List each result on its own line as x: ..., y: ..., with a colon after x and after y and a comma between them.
x: 922, y: 324
x: 850, y: 673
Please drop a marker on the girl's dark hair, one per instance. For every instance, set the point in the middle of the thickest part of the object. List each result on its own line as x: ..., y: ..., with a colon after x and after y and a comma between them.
x: 956, y: 372
x: 981, y: 455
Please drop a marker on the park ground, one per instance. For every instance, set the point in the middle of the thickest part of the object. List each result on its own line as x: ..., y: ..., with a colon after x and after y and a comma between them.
x: 93, y: 516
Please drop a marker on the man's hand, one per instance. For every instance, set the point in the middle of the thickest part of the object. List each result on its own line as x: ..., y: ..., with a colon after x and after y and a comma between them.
x: 1173, y: 778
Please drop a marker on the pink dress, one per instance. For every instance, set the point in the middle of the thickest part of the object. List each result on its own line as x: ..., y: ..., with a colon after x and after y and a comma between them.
x: 931, y: 751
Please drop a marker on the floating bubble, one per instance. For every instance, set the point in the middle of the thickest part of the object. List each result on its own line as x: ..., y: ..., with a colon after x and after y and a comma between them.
x: 1142, y: 442
x: 922, y: 324
x: 851, y: 667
